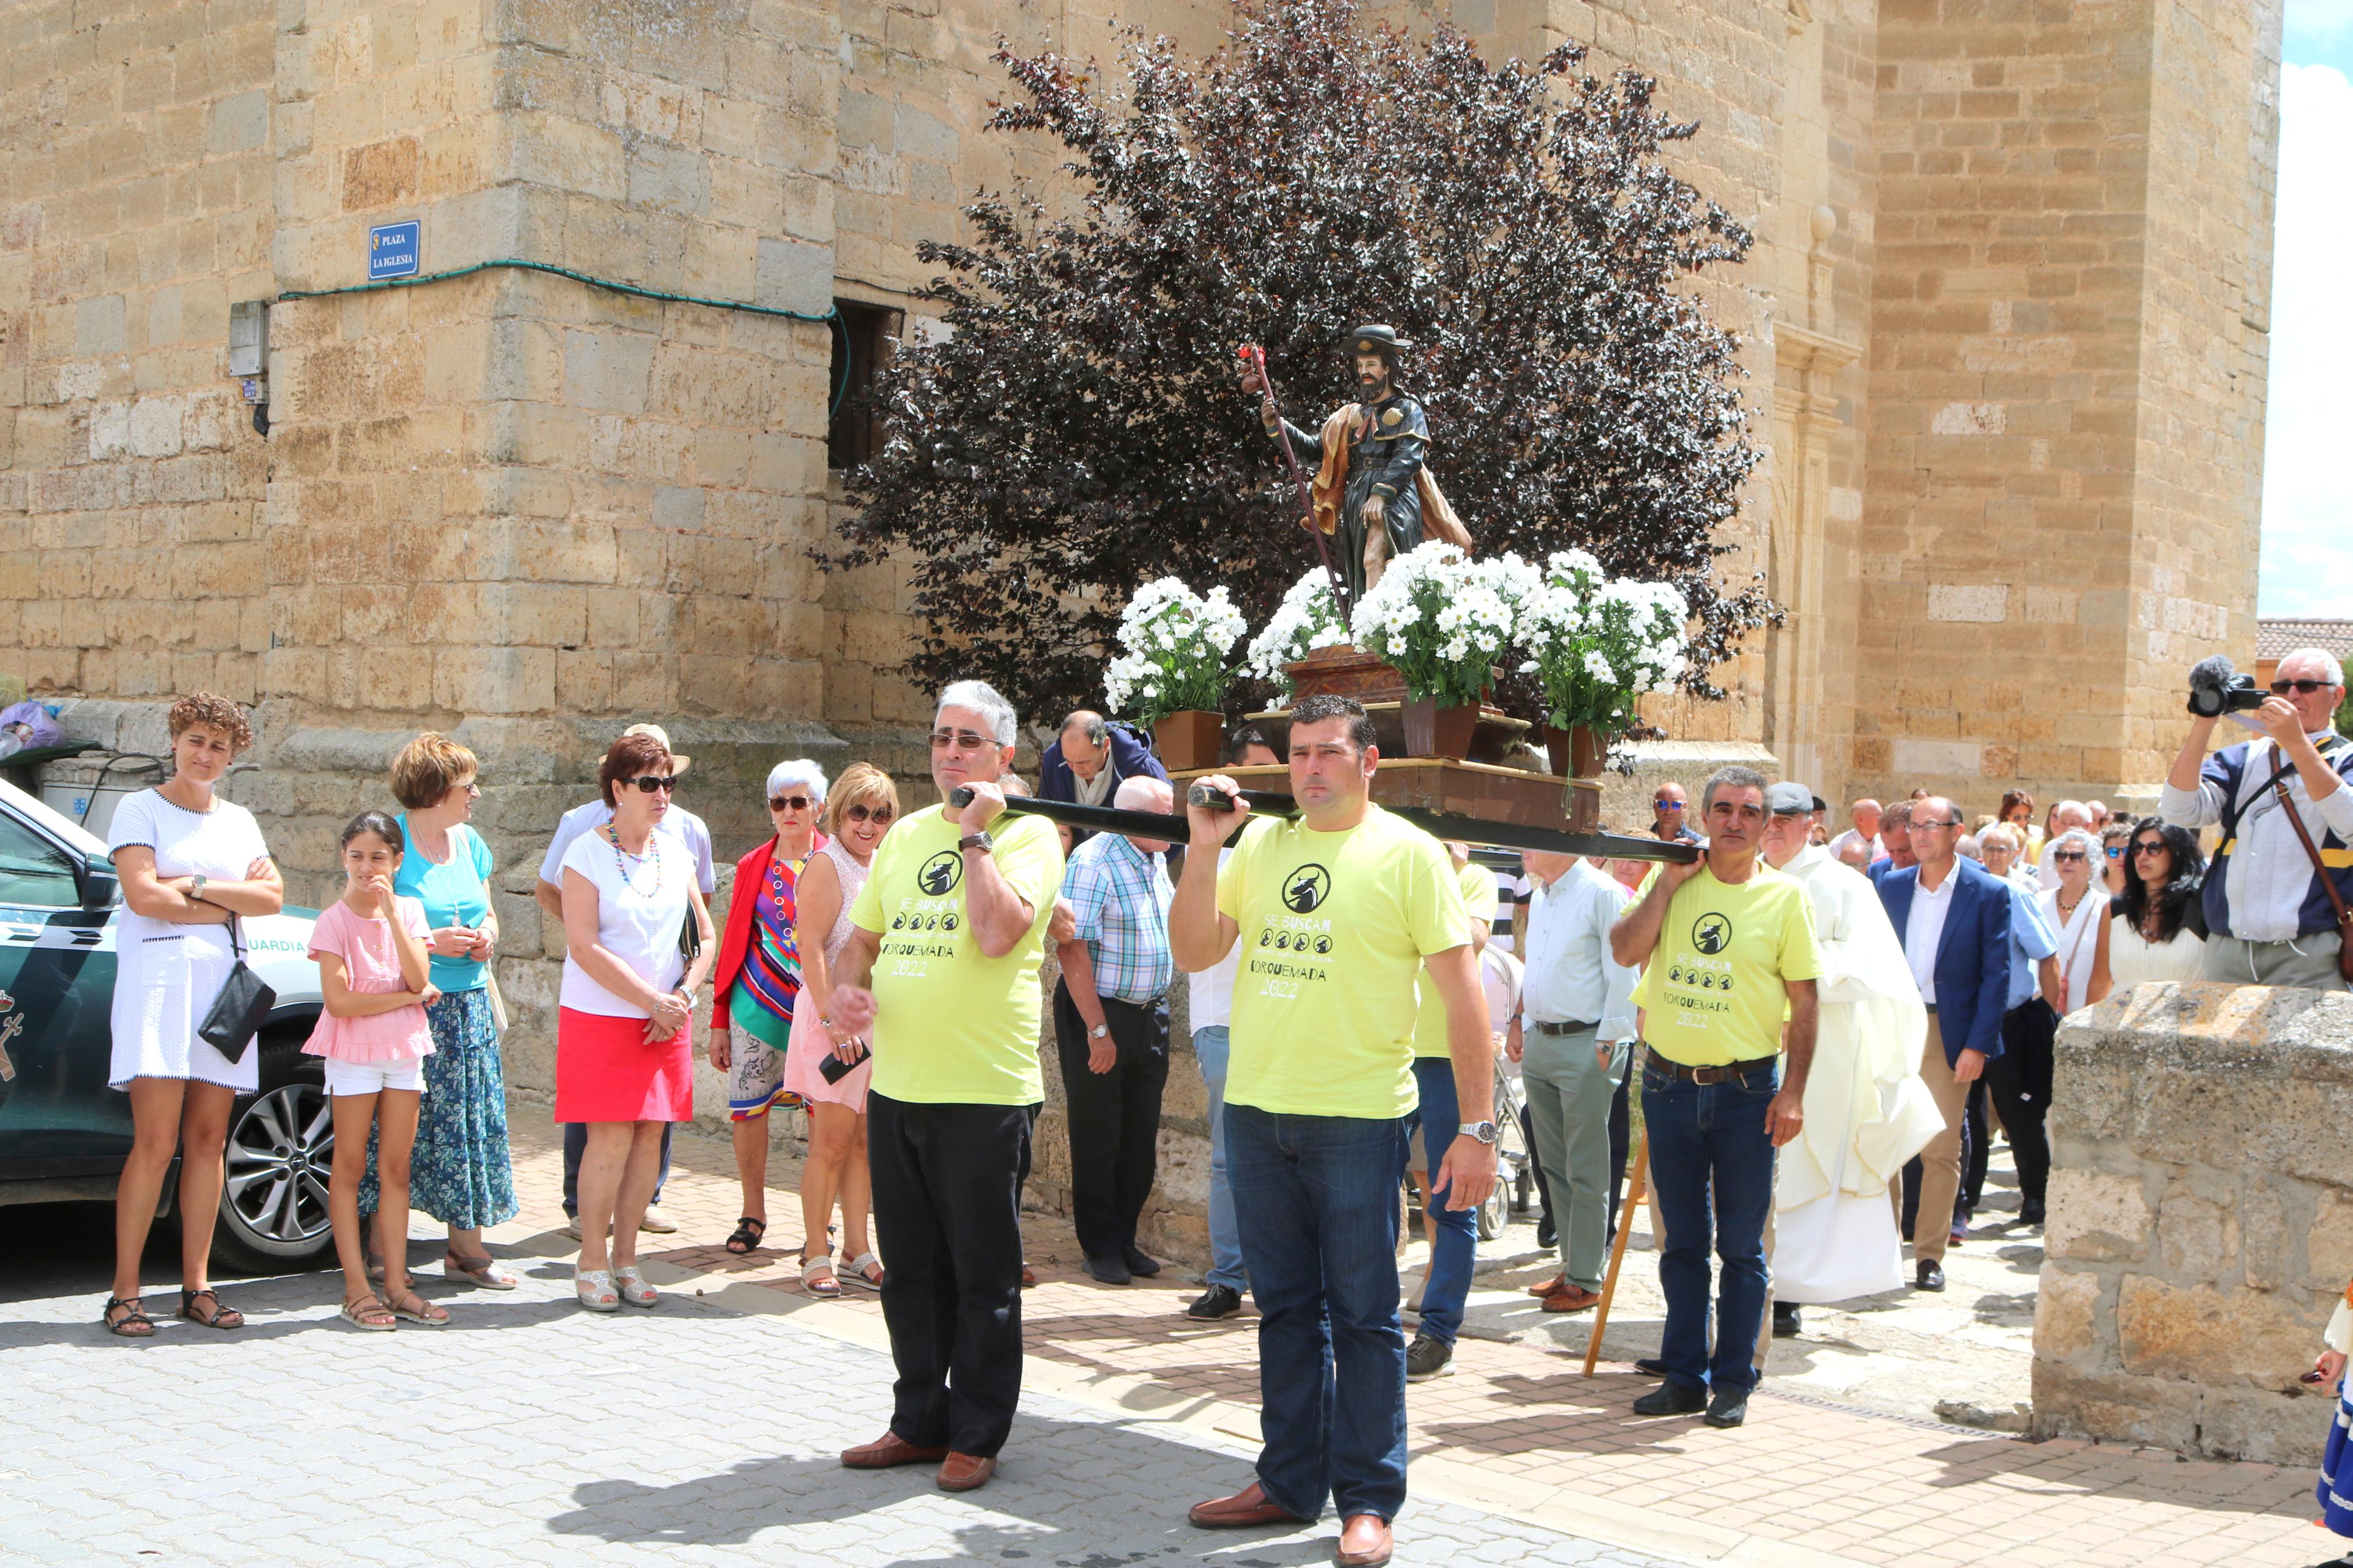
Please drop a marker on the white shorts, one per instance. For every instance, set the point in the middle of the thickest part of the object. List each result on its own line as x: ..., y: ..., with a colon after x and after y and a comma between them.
x: 374, y: 1077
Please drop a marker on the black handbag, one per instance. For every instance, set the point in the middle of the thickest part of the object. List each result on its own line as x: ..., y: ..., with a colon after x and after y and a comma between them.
x: 242, y: 1006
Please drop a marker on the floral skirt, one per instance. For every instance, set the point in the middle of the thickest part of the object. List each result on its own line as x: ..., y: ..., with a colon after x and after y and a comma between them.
x: 460, y: 1173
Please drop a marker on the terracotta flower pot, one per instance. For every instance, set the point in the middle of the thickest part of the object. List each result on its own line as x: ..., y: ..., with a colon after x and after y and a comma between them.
x: 1434, y: 731
x: 1578, y: 752
x: 1191, y: 739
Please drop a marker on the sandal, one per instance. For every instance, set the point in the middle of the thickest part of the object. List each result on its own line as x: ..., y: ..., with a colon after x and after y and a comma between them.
x: 859, y: 1277
x: 367, y: 1312
x: 829, y: 1287
x: 483, y: 1272
x: 595, y: 1289
x: 746, y: 1239
x: 224, y: 1317
x: 633, y: 1287
x: 134, y: 1324
x: 423, y: 1312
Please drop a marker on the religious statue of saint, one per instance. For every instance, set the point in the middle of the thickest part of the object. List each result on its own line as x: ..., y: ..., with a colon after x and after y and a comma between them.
x: 1373, y: 491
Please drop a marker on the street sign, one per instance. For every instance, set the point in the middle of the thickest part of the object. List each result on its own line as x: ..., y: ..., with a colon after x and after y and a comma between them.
x: 393, y: 250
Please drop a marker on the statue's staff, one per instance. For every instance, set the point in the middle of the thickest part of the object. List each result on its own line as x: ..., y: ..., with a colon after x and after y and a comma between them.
x: 1254, y: 356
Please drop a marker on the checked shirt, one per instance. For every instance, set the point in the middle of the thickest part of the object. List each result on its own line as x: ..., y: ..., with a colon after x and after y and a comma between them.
x: 1120, y: 898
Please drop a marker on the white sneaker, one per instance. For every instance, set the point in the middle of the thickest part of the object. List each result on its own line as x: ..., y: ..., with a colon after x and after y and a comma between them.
x: 655, y: 1221
x: 571, y: 1228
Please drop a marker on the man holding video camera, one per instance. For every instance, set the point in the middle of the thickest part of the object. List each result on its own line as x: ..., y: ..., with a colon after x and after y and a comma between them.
x: 2277, y: 890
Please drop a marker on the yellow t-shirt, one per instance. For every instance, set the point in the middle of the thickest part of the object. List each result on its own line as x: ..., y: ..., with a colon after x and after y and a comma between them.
x: 1712, y: 989
x: 1333, y: 928
x: 951, y: 1025
x: 1479, y: 900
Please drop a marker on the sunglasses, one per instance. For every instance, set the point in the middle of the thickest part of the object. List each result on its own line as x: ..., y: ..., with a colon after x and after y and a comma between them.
x: 789, y: 803
x: 2151, y: 846
x: 653, y: 783
x: 1924, y: 821
x: 1667, y: 804
x: 958, y: 739
x: 2116, y: 851
x: 2304, y: 688
x: 878, y: 815
x: 2062, y: 856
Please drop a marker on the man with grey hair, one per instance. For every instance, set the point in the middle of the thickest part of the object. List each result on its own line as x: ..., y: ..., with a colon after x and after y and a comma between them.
x: 1111, y: 1026
x: 2269, y: 915
x: 1090, y: 758
x: 1728, y: 950
x: 947, y: 938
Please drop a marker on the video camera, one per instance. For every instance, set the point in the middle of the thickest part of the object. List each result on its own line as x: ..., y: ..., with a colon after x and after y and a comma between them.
x: 2216, y: 688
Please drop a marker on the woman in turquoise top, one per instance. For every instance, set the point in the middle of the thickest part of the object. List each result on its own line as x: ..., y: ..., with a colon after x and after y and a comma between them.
x: 460, y: 1173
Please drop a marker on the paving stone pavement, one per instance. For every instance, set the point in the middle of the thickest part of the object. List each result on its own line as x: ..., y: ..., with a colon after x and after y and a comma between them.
x: 529, y: 1431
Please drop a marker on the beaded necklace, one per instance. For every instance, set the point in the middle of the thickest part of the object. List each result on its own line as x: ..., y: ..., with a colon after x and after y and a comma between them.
x: 621, y: 859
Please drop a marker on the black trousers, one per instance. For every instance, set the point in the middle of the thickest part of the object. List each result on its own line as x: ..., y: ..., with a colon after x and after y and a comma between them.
x: 1114, y: 1118
x: 2020, y: 1082
x: 948, y: 1214
x: 1976, y: 1143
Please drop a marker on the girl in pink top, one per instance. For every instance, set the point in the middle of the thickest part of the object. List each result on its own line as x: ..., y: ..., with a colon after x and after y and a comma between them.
x: 373, y: 974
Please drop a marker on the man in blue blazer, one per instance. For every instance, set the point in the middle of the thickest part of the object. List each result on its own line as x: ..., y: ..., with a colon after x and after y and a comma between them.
x: 1954, y: 917
x: 1087, y: 761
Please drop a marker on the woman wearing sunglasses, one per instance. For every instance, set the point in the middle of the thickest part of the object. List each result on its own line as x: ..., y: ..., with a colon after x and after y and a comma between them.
x: 2115, y: 858
x: 624, y: 1039
x: 2075, y: 909
x: 759, y: 978
x: 864, y: 805
x: 2158, y: 926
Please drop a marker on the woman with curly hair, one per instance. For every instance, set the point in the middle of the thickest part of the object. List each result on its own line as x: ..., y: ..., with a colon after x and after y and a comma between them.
x: 190, y: 864
x: 2157, y: 926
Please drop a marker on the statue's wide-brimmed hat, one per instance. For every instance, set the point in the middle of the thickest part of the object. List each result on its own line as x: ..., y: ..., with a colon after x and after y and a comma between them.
x: 1377, y: 339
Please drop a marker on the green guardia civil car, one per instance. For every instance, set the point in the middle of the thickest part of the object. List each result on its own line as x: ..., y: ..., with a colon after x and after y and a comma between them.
x: 63, y: 1133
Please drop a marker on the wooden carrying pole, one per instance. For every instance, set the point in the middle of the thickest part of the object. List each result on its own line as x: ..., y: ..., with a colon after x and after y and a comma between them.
x: 1634, y: 1193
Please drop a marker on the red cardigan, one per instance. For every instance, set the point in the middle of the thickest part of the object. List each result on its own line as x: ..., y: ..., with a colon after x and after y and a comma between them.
x: 737, y: 939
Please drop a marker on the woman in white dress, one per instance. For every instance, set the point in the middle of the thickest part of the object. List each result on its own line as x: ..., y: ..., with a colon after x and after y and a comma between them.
x: 188, y: 862
x: 2074, y: 909
x: 2157, y: 929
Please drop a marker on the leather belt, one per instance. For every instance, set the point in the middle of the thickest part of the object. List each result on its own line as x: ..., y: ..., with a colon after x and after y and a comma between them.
x: 1571, y: 1027
x: 1709, y: 1074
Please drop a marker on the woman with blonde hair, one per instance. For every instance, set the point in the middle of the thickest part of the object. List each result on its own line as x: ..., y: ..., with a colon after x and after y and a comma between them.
x: 863, y: 804
x: 757, y: 986
x: 460, y: 1173
x: 190, y: 864
x: 624, y: 1038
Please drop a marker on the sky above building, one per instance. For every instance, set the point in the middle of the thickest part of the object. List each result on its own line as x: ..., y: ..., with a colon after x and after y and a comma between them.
x: 2307, y: 549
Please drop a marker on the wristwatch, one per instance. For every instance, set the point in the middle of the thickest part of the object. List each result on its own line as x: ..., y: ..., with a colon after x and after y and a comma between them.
x: 1482, y: 1131
x: 980, y: 841
x: 1099, y: 1032
x: 196, y: 888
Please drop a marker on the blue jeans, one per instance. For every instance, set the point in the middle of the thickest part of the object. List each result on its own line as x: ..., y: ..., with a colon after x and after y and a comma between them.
x: 1711, y: 1164
x: 1455, y: 1251
x: 1317, y: 1198
x: 1211, y: 1048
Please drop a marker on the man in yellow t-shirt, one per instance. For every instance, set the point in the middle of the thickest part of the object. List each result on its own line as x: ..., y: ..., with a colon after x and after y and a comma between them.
x: 1729, y: 964
x: 1453, y: 1233
x: 947, y: 939
x: 1337, y: 913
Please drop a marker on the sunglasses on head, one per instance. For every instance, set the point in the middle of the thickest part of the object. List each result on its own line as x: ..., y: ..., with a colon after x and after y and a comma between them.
x: 2306, y: 688
x: 878, y: 815
x: 2064, y: 856
x: 652, y: 783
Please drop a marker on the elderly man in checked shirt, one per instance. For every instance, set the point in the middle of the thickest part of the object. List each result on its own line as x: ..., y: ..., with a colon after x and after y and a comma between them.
x: 1111, y: 1025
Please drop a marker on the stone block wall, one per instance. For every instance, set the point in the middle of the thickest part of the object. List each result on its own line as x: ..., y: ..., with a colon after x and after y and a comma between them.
x: 2200, y: 1220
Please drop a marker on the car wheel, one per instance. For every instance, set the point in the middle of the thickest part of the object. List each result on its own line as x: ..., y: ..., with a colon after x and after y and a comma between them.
x: 281, y: 1147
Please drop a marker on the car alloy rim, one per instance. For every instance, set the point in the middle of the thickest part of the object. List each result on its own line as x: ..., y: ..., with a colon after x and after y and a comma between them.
x: 279, y: 1156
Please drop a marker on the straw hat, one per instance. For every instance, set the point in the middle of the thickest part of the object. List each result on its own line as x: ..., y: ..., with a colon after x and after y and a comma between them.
x: 679, y: 761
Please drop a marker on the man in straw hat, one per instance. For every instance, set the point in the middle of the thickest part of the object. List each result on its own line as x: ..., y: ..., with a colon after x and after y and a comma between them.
x: 695, y: 833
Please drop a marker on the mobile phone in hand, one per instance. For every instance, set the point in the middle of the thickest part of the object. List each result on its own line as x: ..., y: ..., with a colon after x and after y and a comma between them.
x: 833, y: 1069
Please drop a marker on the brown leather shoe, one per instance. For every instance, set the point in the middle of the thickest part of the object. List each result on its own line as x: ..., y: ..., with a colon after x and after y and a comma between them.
x: 887, y: 1450
x: 1246, y: 1510
x: 1557, y: 1283
x: 1571, y: 1299
x: 966, y: 1473
x: 1365, y: 1542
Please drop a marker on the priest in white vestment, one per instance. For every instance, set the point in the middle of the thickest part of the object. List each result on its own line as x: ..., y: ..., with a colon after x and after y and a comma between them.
x: 1867, y: 1111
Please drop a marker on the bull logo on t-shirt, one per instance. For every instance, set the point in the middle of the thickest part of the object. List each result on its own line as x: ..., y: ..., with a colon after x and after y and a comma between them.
x: 1712, y: 933
x: 1307, y: 888
x: 941, y: 873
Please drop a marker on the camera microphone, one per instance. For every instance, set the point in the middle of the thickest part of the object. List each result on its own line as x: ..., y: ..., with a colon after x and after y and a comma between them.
x: 2216, y: 688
